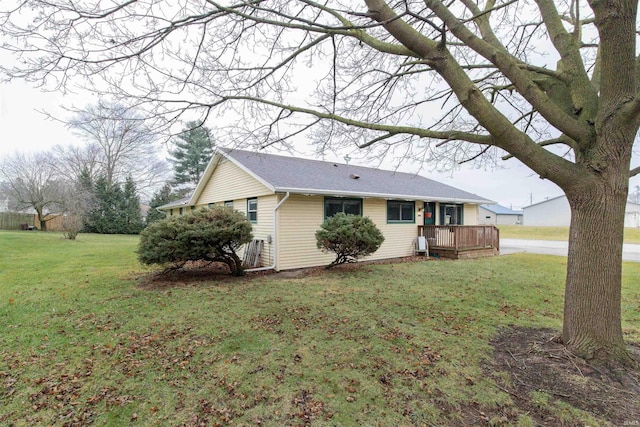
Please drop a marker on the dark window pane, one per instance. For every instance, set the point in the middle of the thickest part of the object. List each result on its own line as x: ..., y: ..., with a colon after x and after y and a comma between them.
x: 407, y: 212
x: 352, y: 207
x: 400, y: 211
x: 252, y: 210
x: 348, y: 206
x: 332, y: 207
x: 393, y: 211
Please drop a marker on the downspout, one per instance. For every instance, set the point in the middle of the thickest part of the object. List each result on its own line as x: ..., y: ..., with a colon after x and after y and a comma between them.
x: 275, y: 240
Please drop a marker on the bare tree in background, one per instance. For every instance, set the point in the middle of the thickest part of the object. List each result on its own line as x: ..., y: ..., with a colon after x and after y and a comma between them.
x: 118, y: 144
x: 34, y: 183
x: 551, y: 83
x: 75, y: 162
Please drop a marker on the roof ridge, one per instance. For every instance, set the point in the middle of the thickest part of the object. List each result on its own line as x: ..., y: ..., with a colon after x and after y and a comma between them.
x: 395, y: 171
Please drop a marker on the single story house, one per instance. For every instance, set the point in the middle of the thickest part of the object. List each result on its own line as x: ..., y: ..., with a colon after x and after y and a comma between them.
x: 287, y: 199
x: 499, y: 215
x: 557, y: 212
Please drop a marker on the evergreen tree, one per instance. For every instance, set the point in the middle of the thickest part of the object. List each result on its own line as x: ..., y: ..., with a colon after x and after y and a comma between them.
x: 160, y: 197
x: 131, y: 216
x: 193, y: 150
x: 107, y: 213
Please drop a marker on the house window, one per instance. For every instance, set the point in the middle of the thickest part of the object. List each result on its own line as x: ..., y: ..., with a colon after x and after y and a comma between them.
x: 181, y: 211
x: 401, y: 212
x: 252, y: 210
x: 210, y: 205
x: 193, y: 208
x: 451, y: 214
x: 228, y: 204
x: 334, y: 205
x: 170, y: 212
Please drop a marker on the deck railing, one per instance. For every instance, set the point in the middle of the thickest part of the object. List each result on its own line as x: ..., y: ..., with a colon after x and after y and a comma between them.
x: 461, y: 236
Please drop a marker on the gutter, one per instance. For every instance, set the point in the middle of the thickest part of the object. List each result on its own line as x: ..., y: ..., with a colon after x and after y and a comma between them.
x: 341, y: 193
x: 275, y: 239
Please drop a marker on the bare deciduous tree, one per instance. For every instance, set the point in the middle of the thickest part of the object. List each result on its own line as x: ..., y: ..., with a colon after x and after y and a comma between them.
x: 551, y: 83
x: 72, y: 161
x: 33, y: 183
x: 118, y: 144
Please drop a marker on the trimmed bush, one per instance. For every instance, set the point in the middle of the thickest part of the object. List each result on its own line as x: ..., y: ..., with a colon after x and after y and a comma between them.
x: 212, y: 235
x: 348, y: 236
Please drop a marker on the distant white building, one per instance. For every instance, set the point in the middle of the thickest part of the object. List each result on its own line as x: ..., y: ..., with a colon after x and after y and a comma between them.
x: 557, y: 212
x: 498, y: 215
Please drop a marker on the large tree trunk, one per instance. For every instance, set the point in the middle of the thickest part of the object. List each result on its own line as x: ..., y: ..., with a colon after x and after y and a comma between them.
x: 41, y: 220
x: 592, y: 313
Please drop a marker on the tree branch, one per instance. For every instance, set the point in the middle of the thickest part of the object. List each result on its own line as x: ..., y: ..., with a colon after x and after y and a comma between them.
x: 390, y: 129
x: 505, y: 134
x: 560, y: 140
x: 511, y: 69
x: 583, y: 94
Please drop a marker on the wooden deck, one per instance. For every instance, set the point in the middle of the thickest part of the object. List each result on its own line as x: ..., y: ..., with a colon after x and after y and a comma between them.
x: 461, y: 241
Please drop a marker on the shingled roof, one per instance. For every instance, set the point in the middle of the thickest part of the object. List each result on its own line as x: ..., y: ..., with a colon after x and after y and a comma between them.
x: 283, y: 174
x: 296, y: 175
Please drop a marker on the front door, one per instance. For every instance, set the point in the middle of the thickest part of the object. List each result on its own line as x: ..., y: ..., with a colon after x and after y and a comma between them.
x: 429, y: 213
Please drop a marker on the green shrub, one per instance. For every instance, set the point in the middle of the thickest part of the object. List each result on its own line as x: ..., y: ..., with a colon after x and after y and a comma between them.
x: 348, y: 236
x: 206, y: 235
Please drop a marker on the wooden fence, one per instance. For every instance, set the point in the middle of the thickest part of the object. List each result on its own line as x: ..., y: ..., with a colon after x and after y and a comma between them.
x: 14, y: 221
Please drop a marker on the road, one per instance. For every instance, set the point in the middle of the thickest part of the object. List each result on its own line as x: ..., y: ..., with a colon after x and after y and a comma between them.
x: 630, y: 252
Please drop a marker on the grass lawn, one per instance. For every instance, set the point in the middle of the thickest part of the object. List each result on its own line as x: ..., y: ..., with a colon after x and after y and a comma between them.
x: 84, y: 341
x: 631, y: 235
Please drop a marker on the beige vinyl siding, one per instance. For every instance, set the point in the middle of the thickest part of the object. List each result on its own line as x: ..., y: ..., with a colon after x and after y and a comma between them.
x: 301, y: 216
x: 399, y: 238
x: 264, y: 226
x: 229, y: 182
x: 298, y: 219
x: 470, y: 214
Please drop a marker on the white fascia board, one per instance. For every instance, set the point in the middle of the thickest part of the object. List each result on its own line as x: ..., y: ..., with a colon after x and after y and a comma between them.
x: 247, y: 170
x: 213, y: 163
x: 319, y: 192
x: 173, y: 206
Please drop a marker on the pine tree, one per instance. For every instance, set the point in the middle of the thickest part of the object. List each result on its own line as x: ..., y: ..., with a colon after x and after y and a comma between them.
x: 110, y: 211
x: 130, y: 209
x: 160, y: 197
x: 86, y: 191
x: 193, y: 150
x: 98, y: 217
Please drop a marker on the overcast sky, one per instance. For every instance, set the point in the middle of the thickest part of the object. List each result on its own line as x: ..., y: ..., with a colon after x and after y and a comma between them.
x: 25, y: 129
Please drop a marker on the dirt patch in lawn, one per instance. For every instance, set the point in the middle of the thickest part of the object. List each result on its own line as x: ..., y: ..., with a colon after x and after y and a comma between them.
x: 194, y: 273
x: 536, y: 362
